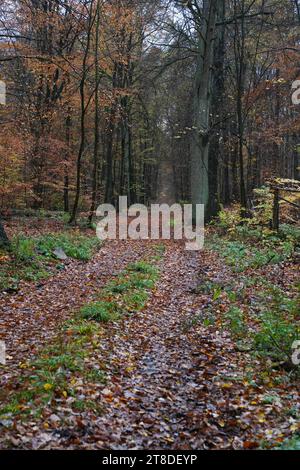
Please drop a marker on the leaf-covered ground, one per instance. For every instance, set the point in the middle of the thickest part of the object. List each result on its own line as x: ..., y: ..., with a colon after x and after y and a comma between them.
x: 166, y: 376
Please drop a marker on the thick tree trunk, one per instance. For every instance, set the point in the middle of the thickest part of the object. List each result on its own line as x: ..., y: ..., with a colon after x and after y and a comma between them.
x: 240, y: 66
x: 202, y: 104
x: 216, y: 146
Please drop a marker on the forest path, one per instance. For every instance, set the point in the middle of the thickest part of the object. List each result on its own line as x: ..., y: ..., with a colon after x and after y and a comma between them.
x: 30, y: 318
x: 173, y: 381
x: 161, y: 365
x: 163, y: 371
x: 171, y: 387
x: 159, y: 391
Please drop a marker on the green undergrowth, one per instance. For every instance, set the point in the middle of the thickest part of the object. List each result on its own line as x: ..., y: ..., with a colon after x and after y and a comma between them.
x: 262, y: 315
x: 257, y: 300
x: 242, y: 254
x: 58, y: 373
x: 61, y: 372
x: 126, y: 294
x: 262, y: 318
x: 33, y: 258
x: 249, y: 243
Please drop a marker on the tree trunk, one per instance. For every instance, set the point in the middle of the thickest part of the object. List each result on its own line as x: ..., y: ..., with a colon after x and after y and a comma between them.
x: 4, y: 241
x: 240, y: 66
x: 97, y: 120
x: 276, y: 215
x: 217, y: 101
x: 109, y: 189
x: 202, y: 105
x: 83, y: 113
x: 66, y: 176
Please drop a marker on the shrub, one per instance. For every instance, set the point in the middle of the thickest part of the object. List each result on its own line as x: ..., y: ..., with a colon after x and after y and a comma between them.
x: 290, y: 232
x: 279, y: 326
x: 276, y: 336
x: 229, y: 219
x: 236, y: 321
x: 262, y: 213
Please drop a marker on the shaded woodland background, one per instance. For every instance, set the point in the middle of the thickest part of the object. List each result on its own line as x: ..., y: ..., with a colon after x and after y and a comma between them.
x: 105, y: 97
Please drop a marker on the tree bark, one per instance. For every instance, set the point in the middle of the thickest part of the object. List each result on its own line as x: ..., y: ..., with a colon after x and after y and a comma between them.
x: 240, y: 66
x: 4, y: 241
x: 97, y: 120
x: 66, y: 176
x: 202, y: 104
x: 215, y: 151
x: 276, y: 216
x: 83, y: 112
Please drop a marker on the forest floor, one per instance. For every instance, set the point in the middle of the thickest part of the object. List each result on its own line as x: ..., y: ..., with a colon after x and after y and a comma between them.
x: 149, y: 346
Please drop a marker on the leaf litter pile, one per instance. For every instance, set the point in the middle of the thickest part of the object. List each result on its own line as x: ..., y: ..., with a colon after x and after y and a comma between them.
x: 159, y: 371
